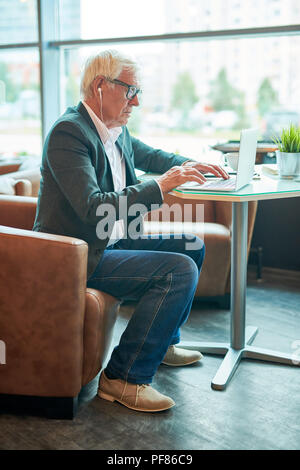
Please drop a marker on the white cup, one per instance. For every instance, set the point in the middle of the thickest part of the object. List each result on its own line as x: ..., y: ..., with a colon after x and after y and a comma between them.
x: 232, y: 160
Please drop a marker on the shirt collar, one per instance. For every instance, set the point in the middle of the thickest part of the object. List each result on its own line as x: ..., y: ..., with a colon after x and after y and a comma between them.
x: 103, y: 131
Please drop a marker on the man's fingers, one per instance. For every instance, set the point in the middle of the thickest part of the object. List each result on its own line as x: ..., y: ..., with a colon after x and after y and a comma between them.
x: 221, y: 170
x: 214, y: 169
x: 179, y: 175
x: 191, y: 172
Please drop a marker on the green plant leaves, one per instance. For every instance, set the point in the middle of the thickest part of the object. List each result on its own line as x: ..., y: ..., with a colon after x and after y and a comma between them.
x: 289, y: 139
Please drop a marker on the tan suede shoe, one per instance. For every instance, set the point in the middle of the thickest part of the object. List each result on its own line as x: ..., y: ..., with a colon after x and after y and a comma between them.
x: 180, y: 357
x: 136, y: 397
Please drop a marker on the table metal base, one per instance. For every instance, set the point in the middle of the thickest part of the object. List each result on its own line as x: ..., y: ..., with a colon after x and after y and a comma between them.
x: 233, y: 356
x: 241, y: 336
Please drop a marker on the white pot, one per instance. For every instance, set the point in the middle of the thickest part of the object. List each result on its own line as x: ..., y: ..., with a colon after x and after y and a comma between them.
x: 298, y: 169
x: 288, y: 164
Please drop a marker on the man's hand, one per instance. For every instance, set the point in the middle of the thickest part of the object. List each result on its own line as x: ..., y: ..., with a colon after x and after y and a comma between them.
x: 188, y: 171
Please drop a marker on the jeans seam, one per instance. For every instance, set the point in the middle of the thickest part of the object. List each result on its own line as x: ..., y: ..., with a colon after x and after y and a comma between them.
x: 145, y: 336
x: 135, y: 277
x: 126, y: 278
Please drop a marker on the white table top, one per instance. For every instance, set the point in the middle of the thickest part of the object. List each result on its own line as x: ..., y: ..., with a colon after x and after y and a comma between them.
x: 267, y: 187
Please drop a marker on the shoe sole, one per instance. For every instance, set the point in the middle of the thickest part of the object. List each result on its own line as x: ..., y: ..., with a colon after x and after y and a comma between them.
x: 110, y: 398
x: 182, y: 363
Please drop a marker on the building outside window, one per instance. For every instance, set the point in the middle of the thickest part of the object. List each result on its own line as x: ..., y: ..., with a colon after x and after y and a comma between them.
x: 197, y: 90
x: 20, y: 108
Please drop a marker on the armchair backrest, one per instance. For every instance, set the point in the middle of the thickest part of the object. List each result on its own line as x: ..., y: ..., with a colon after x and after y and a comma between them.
x: 43, y: 294
x: 18, y: 211
x: 165, y: 215
x: 214, y: 211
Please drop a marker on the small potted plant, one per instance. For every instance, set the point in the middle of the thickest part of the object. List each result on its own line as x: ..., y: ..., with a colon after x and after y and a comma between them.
x: 288, y: 153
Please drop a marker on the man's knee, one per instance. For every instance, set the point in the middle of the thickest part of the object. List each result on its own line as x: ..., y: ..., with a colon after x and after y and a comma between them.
x: 183, y: 265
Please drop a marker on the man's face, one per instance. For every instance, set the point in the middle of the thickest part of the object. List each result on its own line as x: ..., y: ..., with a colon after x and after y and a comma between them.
x: 116, y: 108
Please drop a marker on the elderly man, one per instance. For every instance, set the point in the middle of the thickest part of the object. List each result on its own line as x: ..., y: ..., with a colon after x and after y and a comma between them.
x: 87, y: 168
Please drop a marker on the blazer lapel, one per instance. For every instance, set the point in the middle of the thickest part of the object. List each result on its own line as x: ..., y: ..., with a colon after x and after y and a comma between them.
x: 129, y: 164
x: 82, y: 110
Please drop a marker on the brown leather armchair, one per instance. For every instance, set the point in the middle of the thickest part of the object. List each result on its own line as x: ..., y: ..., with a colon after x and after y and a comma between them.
x: 214, y: 283
x: 56, y: 331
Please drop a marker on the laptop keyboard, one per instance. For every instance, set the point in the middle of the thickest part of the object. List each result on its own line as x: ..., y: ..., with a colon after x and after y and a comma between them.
x: 221, y: 183
x: 214, y: 183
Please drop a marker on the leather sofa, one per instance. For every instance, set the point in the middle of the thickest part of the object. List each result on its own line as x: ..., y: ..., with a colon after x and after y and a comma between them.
x: 214, y: 283
x: 55, y: 333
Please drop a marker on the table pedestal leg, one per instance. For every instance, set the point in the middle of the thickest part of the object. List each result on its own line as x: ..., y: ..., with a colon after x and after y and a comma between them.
x: 241, y: 337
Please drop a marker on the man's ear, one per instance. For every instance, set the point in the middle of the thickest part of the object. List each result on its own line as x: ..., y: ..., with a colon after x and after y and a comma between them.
x: 98, y: 84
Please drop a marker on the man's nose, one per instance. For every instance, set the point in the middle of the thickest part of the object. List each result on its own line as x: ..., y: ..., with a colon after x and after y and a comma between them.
x: 135, y: 101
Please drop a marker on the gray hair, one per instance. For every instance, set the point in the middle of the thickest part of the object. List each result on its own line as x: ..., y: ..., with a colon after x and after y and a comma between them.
x: 109, y: 63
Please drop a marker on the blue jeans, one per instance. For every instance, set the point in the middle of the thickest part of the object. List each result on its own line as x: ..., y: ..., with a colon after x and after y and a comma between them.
x: 161, y: 275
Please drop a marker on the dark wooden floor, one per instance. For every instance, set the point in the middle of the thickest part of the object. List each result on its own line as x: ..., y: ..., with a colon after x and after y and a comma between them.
x: 260, y: 409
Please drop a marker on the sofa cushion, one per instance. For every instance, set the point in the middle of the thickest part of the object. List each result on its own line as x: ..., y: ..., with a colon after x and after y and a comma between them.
x: 7, y: 185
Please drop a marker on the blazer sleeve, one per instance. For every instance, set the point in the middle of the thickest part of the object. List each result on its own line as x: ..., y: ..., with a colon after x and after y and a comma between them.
x: 153, y: 160
x: 69, y: 161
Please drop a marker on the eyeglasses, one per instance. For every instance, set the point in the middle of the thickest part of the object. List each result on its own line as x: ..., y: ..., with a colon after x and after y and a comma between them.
x: 132, y: 90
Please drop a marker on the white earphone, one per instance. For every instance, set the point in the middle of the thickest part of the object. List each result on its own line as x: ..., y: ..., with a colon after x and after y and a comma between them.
x: 100, y: 95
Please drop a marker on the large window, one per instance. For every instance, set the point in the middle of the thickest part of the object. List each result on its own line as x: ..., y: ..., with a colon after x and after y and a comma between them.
x: 94, y: 19
x: 196, y: 93
x: 20, y: 115
x: 20, y: 120
x: 208, y: 68
x: 18, y: 21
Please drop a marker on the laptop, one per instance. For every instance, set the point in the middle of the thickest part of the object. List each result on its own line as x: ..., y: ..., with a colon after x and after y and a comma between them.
x: 245, y: 170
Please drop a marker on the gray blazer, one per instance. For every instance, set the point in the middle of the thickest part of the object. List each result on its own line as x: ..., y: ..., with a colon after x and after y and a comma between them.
x: 76, y: 180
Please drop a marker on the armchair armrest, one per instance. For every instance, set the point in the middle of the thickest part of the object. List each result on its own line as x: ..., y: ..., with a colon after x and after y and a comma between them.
x: 23, y: 187
x: 33, y: 175
x: 11, y: 186
x: 42, y: 303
